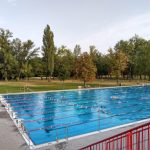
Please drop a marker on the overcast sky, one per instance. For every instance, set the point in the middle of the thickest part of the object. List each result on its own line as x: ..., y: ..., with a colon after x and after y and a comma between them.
x: 86, y: 22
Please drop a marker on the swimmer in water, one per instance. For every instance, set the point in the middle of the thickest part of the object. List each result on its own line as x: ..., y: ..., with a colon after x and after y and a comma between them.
x: 114, y: 97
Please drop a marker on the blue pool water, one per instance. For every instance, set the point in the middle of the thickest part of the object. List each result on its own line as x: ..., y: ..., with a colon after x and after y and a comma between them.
x: 57, y: 115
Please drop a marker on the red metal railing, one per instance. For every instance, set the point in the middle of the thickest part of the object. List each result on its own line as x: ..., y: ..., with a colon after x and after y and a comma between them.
x: 137, y: 138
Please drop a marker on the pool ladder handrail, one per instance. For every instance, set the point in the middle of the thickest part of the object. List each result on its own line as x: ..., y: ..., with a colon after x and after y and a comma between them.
x: 66, y: 131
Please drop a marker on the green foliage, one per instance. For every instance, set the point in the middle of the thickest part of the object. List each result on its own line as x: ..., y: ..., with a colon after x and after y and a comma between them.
x: 20, y: 59
x: 63, y: 73
x: 120, y: 63
x: 24, y: 52
x: 131, y: 49
x: 48, y: 51
x: 142, y: 60
x: 86, y: 69
x: 64, y: 66
x: 77, y: 51
x: 7, y: 60
x: 37, y: 67
x: 15, y: 56
x: 97, y: 59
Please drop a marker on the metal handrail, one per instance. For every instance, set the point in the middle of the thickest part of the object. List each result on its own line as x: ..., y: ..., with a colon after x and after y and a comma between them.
x: 132, y: 138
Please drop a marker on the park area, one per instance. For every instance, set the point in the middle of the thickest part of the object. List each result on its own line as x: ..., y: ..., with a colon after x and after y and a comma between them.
x: 35, y: 85
x: 74, y: 75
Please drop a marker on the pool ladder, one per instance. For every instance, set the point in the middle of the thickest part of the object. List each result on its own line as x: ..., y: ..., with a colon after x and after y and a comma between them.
x: 66, y: 131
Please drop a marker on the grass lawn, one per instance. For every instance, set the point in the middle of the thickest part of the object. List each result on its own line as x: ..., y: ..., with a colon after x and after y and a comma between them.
x: 44, y: 85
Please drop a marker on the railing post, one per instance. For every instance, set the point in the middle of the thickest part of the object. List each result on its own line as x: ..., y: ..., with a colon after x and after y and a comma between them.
x: 91, y: 147
x: 148, y: 137
x: 107, y: 145
x: 129, y: 141
x: 138, y: 140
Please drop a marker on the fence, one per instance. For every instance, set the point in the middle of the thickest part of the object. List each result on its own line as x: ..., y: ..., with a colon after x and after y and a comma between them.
x: 137, y: 138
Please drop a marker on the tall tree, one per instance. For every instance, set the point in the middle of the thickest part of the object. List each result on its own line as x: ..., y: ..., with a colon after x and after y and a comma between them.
x: 17, y: 52
x: 29, y: 52
x: 142, y: 60
x: 147, y: 55
x: 24, y: 52
x: 110, y: 61
x: 37, y: 67
x: 64, y: 63
x: 7, y: 59
x: 48, y: 51
x: 94, y: 53
x: 120, y: 63
x: 64, y: 72
x: 77, y: 51
x: 96, y: 58
x: 86, y: 70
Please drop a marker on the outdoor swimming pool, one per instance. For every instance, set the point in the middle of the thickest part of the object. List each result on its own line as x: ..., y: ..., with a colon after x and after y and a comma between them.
x: 53, y: 116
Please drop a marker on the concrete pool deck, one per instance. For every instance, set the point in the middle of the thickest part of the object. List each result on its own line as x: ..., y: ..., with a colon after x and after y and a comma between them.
x: 11, y: 139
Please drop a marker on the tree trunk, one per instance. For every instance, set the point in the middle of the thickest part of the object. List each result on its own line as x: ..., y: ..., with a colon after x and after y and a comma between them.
x: 117, y: 81
x: 41, y: 77
x: 5, y: 75
x: 127, y: 76
x: 49, y: 78
x: 84, y: 84
x: 19, y: 75
x: 131, y: 72
x: 117, y: 76
x: 140, y: 77
x: 6, y: 79
x: 63, y: 84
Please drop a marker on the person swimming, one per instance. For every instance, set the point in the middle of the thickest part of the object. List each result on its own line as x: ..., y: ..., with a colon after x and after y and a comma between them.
x: 114, y: 97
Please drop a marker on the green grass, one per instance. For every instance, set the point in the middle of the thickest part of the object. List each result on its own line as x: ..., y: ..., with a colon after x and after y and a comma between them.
x: 14, y: 87
x: 7, y: 88
x: 43, y: 85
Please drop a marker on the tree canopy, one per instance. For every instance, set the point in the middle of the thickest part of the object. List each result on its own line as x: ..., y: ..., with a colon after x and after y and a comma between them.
x: 128, y: 59
x: 48, y: 51
x: 86, y: 70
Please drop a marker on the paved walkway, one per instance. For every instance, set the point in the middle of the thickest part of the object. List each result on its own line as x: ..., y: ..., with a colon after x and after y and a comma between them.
x: 11, y: 139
